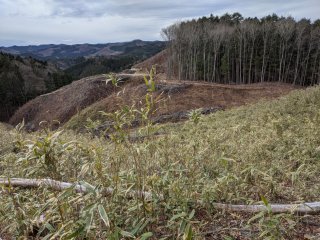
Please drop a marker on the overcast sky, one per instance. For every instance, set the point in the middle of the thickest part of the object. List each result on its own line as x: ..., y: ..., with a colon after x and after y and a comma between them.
x: 26, y: 22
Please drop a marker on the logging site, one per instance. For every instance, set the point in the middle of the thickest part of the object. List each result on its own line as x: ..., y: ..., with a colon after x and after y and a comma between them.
x: 210, y: 130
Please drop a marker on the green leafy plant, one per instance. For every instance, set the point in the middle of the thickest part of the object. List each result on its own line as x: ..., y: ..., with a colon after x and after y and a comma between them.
x: 195, y: 116
x: 273, y: 226
x: 115, y: 81
x: 184, y: 221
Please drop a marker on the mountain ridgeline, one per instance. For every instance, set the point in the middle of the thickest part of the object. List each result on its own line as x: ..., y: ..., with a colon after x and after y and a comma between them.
x: 127, y: 54
x: 65, y: 56
x: 232, y: 49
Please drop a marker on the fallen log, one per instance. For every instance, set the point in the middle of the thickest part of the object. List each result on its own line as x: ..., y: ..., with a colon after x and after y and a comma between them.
x: 299, y: 208
x: 59, y: 186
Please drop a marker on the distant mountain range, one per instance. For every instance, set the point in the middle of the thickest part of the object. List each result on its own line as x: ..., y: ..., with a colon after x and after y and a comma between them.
x: 136, y: 48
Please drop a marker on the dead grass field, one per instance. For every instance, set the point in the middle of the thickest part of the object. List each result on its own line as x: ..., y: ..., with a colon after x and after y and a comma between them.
x: 179, y: 96
x: 84, y: 98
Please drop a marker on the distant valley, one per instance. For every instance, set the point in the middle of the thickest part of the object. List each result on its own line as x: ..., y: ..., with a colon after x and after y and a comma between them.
x: 66, y: 55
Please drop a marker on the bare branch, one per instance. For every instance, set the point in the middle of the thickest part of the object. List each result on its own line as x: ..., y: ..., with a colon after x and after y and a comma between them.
x: 299, y: 208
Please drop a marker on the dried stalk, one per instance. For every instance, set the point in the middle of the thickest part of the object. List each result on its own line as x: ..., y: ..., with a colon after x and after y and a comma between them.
x: 300, y: 208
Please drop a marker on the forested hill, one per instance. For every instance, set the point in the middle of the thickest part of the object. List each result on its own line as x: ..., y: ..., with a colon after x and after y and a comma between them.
x: 64, y: 55
x: 21, y: 79
x: 233, y: 49
x: 99, y: 65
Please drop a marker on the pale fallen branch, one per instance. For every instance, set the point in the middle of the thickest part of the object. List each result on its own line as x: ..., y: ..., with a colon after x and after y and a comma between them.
x: 59, y: 186
x: 300, y: 208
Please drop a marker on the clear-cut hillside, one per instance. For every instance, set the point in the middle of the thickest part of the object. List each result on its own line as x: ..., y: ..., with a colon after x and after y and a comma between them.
x: 63, y: 103
x: 83, y: 99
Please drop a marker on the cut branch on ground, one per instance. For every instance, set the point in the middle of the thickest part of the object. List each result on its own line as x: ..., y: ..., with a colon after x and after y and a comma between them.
x: 299, y: 208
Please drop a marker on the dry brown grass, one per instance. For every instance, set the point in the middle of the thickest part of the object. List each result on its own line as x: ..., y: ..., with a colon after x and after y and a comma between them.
x: 207, y: 95
x: 63, y: 103
x: 183, y: 96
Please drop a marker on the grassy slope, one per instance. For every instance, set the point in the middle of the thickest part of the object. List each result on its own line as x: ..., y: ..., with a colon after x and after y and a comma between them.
x: 269, y: 148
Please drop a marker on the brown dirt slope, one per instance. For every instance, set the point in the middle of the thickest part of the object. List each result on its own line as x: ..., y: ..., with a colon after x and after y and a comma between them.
x: 179, y: 97
x: 84, y: 98
x: 63, y: 103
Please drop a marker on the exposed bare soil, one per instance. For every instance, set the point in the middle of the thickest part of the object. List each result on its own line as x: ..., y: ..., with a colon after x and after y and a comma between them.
x: 63, y: 103
x: 177, y: 96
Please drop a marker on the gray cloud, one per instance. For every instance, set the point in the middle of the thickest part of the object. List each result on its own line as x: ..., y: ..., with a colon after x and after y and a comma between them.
x: 182, y: 8
x: 78, y: 21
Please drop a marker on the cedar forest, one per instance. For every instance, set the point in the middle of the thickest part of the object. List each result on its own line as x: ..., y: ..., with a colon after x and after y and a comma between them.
x: 232, y: 49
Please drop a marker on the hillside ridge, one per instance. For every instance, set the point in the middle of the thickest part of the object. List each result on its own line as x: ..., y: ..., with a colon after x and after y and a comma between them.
x: 58, y: 51
x: 83, y: 99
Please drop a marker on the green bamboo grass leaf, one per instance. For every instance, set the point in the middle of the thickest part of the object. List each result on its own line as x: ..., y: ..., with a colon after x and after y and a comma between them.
x: 182, y: 226
x: 127, y: 234
x: 146, y: 236
x: 88, y: 187
x: 146, y: 81
x: 255, y: 217
x: 137, y: 227
x: 89, y: 219
x: 153, y: 86
x: 103, y: 215
x: 188, y: 233
x: 45, y: 226
x: 180, y: 215
x: 89, y: 208
x: 191, y: 215
x: 54, y: 136
x: 264, y: 200
x: 266, y: 203
x: 76, y: 233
